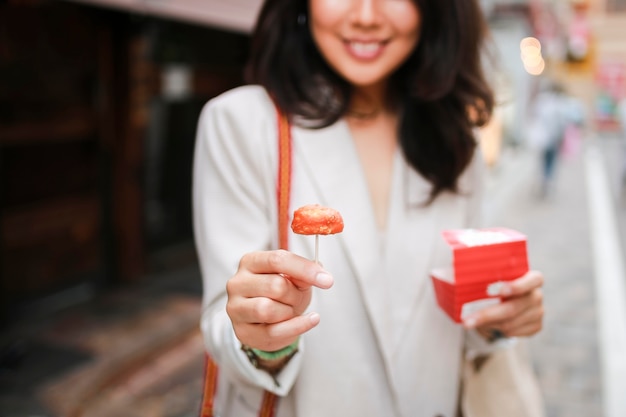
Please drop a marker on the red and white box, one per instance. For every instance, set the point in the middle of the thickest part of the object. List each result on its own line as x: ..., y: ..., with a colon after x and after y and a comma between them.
x: 481, y: 260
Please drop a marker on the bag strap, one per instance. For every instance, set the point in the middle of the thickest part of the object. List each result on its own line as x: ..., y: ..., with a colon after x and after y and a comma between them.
x: 283, y: 190
x: 210, y: 387
x: 284, y: 178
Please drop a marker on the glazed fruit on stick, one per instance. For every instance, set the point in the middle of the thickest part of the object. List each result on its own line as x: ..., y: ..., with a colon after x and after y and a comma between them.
x: 315, y: 219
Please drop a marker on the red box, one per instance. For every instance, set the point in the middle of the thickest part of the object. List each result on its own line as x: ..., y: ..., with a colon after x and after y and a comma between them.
x: 481, y: 259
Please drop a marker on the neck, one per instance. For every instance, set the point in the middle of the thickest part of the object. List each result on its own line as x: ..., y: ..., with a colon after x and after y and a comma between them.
x: 369, y: 101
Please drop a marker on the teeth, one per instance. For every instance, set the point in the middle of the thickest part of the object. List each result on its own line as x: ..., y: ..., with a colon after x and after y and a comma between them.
x: 364, y: 48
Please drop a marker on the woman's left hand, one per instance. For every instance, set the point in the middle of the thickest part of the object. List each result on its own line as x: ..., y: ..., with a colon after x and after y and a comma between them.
x: 519, y: 314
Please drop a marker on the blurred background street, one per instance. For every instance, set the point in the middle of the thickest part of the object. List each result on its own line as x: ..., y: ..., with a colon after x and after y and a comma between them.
x: 99, y: 284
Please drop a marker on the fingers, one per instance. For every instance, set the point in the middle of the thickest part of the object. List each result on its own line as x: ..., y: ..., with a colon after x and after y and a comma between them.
x: 275, y: 287
x: 260, y: 310
x: 528, y: 323
x: 521, y: 286
x: 271, y: 337
x: 268, y: 296
x: 520, y: 325
x: 301, y: 271
x: 527, y: 330
x: 265, y: 299
x: 511, y: 314
x: 518, y: 295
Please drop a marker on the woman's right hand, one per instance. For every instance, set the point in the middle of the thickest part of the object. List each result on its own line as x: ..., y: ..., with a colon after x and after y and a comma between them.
x: 268, y: 296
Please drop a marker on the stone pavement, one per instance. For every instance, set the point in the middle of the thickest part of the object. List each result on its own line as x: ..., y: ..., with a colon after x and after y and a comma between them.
x: 565, y: 353
x: 138, y: 352
x: 135, y: 352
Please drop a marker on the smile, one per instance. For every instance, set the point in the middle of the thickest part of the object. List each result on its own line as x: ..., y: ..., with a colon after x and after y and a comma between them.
x: 365, y: 50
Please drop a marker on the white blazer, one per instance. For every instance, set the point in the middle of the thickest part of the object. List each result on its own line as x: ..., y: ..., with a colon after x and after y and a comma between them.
x: 383, y: 347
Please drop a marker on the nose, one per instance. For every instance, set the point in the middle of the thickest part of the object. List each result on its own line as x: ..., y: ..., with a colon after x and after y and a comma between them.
x: 366, y: 12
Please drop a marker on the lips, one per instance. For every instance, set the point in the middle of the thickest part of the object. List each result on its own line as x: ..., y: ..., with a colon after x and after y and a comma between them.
x: 365, y: 50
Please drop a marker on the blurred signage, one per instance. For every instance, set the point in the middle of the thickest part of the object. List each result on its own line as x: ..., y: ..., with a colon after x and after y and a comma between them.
x: 610, y: 87
x: 547, y: 30
x: 578, y: 37
x: 543, y: 22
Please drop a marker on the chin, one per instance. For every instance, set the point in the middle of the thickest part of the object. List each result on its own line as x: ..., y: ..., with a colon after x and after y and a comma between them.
x: 365, y: 81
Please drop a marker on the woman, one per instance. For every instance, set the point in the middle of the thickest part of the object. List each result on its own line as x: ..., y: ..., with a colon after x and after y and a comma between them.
x: 383, y: 96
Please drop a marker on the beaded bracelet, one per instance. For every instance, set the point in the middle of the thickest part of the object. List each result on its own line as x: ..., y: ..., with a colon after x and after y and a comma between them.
x: 278, y: 358
x: 277, y: 354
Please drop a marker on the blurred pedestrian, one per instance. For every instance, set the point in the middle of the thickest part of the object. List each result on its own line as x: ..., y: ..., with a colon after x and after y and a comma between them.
x: 555, y: 114
x: 383, y: 99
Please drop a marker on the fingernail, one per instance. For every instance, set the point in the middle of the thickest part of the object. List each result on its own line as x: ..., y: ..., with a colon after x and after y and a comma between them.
x: 506, y: 290
x: 494, y: 289
x: 498, y: 288
x: 470, y: 322
x: 315, y: 318
x: 324, y: 280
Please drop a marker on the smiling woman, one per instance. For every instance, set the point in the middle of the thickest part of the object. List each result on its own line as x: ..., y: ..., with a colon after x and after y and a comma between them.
x: 382, y: 98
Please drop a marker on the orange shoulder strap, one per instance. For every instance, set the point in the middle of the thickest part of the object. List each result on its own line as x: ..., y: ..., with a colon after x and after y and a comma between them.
x: 283, y: 189
x: 284, y: 178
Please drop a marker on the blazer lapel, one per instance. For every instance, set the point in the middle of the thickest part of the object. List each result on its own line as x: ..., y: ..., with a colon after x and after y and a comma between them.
x: 329, y: 156
x: 413, y: 228
x: 414, y: 232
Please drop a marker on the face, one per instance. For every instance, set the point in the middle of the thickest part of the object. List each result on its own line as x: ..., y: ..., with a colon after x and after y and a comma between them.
x: 365, y: 41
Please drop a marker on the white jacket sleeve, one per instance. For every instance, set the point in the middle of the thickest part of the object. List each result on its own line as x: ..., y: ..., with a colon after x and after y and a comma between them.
x: 234, y: 212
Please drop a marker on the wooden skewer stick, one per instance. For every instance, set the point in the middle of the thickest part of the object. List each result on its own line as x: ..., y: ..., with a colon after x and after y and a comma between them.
x: 317, y: 247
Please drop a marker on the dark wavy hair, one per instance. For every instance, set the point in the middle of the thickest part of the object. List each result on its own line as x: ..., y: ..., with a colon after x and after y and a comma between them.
x: 441, y: 88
